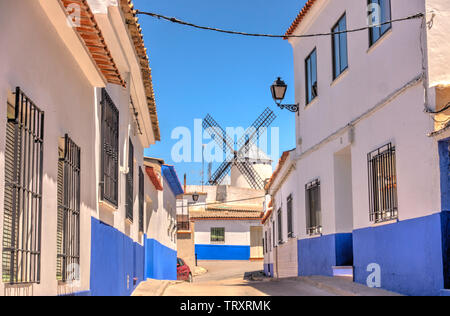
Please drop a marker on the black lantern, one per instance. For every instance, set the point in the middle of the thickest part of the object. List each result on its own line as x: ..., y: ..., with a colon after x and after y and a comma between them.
x: 195, y: 197
x: 278, y: 89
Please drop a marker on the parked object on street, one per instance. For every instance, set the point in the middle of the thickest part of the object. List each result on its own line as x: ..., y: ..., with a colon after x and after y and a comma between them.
x: 183, y: 271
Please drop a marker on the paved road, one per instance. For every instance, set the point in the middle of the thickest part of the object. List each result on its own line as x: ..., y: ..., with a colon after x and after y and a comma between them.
x: 226, y: 278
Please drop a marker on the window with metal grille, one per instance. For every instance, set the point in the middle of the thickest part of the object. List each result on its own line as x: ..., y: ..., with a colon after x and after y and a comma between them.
x: 376, y: 32
x: 141, y: 200
x: 266, y: 245
x: 339, y: 44
x: 129, y: 187
x: 109, y: 185
x: 289, y: 217
x: 68, y: 229
x: 382, y: 184
x: 274, y: 234
x: 311, y: 76
x: 21, y: 258
x: 280, y: 226
x: 313, y: 208
x: 218, y: 234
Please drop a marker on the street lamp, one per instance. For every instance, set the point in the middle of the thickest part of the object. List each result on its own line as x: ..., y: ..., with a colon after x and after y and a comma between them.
x: 278, y: 90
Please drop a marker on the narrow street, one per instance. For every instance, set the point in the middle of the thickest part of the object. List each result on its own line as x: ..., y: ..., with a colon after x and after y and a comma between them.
x: 226, y: 278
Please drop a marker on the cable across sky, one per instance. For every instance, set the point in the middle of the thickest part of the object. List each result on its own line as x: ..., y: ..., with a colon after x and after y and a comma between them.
x: 177, y: 21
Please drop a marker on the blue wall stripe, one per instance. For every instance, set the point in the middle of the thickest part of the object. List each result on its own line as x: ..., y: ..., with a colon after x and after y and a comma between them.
x: 161, y: 261
x: 222, y: 252
x: 317, y: 256
x: 408, y: 252
x: 445, y: 226
x: 115, y: 260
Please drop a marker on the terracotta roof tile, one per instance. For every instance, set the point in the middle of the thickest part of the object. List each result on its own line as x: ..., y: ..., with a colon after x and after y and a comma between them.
x: 280, y: 165
x: 306, y: 8
x: 138, y: 39
x: 93, y: 38
x: 154, y: 178
x: 225, y: 215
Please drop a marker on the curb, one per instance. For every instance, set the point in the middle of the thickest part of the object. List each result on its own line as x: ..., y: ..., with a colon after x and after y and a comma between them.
x: 162, y: 289
x: 327, y: 287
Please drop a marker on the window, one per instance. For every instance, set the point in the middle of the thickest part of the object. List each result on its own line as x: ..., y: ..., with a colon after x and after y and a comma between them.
x: 270, y: 240
x: 23, y: 191
x: 339, y: 44
x: 274, y: 235
x: 382, y: 184
x: 129, y: 187
x: 289, y: 217
x: 376, y: 32
x: 313, y: 211
x: 141, y: 200
x: 218, y: 234
x: 109, y: 185
x: 280, y: 227
x: 311, y: 76
x: 68, y: 227
x: 266, y: 246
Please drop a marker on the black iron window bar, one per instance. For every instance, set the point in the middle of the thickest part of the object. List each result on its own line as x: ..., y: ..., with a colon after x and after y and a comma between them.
x: 68, y: 228
x: 218, y: 234
x: 313, y: 208
x: 141, y: 200
x: 183, y: 222
x: 280, y: 227
x: 129, y: 188
x: 382, y: 184
x: 23, y: 192
x: 289, y: 217
x: 109, y: 185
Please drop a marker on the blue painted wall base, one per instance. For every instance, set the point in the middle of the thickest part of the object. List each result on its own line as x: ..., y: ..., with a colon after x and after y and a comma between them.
x: 115, y: 260
x: 411, y: 254
x: 222, y: 252
x: 268, y: 269
x: 317, y: 256
x: 161, y: 261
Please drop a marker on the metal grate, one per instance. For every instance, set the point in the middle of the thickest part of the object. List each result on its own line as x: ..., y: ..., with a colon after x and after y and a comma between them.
x: 218, y: 234
x: 23, y: 192
x: 109, y: 189
x: 129, y: 190
x: 68, y: 231
x: 289, y: 217
x: 313, y: 208
x: 141, y: 200
x: 382, y: 184
x: 280, y: 226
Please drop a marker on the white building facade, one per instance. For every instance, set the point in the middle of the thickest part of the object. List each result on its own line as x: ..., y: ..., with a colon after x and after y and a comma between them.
x: 227, y: 222
x: 78, y: 111
x: 371, y: 167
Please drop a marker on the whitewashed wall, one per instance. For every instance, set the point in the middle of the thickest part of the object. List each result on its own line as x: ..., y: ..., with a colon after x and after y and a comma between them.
x: 373, y: 74
x: 35, y: 58
x: 237, y: 233
x: 160, y: 209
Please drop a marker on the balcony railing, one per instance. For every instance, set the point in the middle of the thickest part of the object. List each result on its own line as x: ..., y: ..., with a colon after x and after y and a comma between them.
x: 185, y: 225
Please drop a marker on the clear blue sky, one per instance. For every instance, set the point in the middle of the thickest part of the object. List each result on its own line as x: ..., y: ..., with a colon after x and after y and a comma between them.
x: 196, y: 72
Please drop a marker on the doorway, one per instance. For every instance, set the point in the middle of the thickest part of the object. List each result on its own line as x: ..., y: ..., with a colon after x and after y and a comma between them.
x: 256, y: 246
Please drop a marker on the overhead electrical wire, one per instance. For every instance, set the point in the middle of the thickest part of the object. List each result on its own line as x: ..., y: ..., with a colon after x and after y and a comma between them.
x: 177, y: 21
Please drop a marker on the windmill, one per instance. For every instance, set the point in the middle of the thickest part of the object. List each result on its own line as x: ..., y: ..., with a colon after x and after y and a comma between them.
x: 238, y: 157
